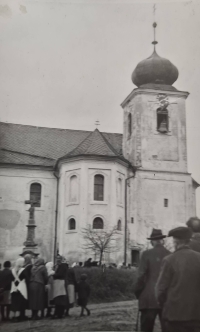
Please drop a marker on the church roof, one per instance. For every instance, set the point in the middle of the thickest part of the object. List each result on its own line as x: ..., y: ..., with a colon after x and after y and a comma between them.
x: 11, y: 157
x: 31, y: 145
x: 94, y: 144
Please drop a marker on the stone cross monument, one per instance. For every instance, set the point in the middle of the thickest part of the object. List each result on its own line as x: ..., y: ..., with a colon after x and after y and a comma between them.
x: 30, y: 245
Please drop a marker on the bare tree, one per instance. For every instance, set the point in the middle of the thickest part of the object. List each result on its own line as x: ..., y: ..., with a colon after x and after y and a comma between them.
x: 100, y: 241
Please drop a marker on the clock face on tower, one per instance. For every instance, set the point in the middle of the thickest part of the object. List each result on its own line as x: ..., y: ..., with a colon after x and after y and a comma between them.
x: 163, y: 100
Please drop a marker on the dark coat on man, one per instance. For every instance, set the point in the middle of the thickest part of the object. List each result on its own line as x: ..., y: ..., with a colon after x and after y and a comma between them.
x: 178, y: 286
x: 148, y: 273
x: 195, y: 242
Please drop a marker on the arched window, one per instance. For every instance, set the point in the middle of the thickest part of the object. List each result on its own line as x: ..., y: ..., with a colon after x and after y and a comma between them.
x: 98, y: 223
x: 162, y: 120
x: 119, y: 225
x: 98, y: 187
x: 72, y: 224
x: 73, y: 189
x: 35, y: 193
x: 119, y: 190
x: 129, y: 124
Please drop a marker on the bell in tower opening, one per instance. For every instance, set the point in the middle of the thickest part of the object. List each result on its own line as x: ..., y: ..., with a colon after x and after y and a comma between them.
x: 162, y: 120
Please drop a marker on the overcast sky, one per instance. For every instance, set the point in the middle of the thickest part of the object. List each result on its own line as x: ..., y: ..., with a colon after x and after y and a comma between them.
x: 66, y: 64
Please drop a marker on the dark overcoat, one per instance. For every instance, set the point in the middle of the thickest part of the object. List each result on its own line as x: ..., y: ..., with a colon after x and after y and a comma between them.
x: 178, y: 286
x: 83, y: 293
x: 195, y: 242
x: 148, y: 273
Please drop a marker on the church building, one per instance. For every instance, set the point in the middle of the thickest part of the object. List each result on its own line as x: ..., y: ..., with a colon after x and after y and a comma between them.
x: 132, y: 181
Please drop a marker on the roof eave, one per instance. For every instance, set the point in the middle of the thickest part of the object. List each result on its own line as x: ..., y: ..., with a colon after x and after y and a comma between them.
x: 91, y: 156
x: 15, y: 165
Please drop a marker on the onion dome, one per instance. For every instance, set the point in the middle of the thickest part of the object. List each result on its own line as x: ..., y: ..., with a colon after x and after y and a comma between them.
x: 155, y: 70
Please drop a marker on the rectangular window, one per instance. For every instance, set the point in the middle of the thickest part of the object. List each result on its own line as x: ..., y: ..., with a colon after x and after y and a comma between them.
x: 98, y: 187
x: 165, y: 202
x: 132, y: 220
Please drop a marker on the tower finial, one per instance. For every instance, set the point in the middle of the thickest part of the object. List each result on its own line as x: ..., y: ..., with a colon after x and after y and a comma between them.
x: 154, y: 42
x: 97, y: 123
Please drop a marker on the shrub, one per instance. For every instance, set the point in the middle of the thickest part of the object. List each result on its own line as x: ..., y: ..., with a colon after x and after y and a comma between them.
x: 109, y: 285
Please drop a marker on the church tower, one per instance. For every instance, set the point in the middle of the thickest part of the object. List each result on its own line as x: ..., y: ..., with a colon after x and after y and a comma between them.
x: 162, y: 194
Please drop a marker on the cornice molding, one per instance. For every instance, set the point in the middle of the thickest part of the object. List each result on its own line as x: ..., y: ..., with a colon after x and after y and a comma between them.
x: 140, y: 91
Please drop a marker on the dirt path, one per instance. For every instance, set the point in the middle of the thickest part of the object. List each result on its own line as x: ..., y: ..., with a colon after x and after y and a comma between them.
x: 116, y: 316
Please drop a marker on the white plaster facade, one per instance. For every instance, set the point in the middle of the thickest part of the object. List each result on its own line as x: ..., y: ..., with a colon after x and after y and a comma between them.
x: 14, y: 190
x: 85, y: 209
x: 162, y: 194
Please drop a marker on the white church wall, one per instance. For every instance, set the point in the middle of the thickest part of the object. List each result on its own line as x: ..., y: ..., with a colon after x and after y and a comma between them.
x: 146, y: 146
x: 85, y: 209
x: 164, y: 200
x: 14, y: 190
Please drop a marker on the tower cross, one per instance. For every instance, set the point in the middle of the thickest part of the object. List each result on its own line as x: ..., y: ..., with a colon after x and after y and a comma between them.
x: 154, y: 42
x: 97, y: 123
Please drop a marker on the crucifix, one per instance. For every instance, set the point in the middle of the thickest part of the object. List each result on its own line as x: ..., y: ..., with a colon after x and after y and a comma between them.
x: 32, y: 208
x: 31, y: 225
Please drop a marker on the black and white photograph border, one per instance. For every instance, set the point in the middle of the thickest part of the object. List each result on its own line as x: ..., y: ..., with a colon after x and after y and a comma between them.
x: 99, y: 149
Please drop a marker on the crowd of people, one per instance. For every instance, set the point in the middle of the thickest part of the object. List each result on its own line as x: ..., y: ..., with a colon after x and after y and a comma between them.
x: 38, y: 286
x: 168, y: 284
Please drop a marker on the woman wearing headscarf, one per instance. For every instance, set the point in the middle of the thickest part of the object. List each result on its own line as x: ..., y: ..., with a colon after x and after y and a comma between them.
x: 6, y: 278
x: 50, y: 272
x: 26, y: 274
x: 18, y: 289
x: 59, y: 290
x: 38, y: 280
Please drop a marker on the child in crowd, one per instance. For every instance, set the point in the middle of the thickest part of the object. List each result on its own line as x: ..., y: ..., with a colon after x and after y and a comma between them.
x: 83, y: 294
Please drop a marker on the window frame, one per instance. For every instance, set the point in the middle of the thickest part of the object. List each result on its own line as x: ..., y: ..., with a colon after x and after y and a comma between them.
x: 101, y: 185
x: 70, y: 187
x: 31, y: 193
x: 129, y: 124
x: 69, y: 226
x: 68, y: 174
x: 120, y: 194
x: 160, y: 112
x: 97, y: 229
x: 166, y: 202
x: 119, y: 222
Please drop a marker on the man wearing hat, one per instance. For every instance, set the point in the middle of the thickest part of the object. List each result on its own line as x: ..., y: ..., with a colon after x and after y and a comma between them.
x: 148, y: 273
x: 194, y: 224
x: 178, y: 286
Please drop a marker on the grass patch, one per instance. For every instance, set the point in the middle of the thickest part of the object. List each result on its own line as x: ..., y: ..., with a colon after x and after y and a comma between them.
x: 110, y: 285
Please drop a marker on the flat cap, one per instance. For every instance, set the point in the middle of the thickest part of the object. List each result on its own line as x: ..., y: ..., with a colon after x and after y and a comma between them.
x: 183, y: 233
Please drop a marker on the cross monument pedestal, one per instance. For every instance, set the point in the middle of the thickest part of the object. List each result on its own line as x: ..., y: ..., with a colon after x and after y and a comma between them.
x: 31, y: 247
